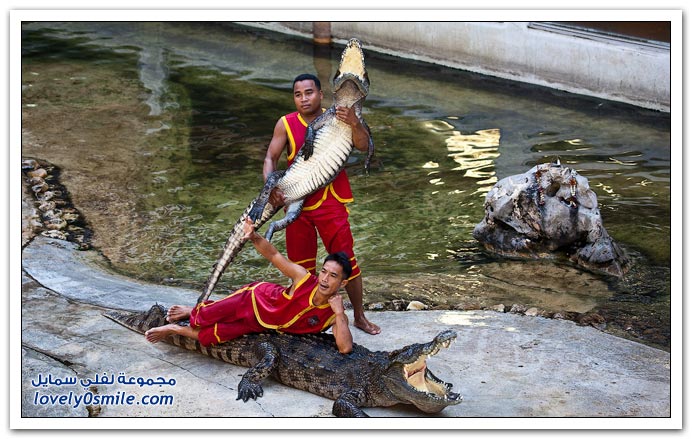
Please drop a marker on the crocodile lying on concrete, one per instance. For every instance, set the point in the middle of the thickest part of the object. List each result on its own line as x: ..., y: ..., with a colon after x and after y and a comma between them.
x: 328, y: 144
x: 313, y: 363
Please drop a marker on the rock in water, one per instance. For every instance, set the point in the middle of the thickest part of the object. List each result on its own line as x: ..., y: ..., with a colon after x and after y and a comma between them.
x: 548, y: 209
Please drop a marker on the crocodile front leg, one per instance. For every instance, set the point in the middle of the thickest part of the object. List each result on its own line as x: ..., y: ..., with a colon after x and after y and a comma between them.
x: 251, y: 384
x: 263, y: 198
x: 309, y: 143
x: 347, y: 405
x: 292, y: 214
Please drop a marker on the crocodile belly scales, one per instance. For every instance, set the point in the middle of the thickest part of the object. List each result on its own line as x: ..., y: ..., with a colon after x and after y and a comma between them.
x: 306, y: 176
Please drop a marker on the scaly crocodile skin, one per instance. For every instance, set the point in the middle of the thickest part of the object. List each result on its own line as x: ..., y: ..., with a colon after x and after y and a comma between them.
x: 313, y: 363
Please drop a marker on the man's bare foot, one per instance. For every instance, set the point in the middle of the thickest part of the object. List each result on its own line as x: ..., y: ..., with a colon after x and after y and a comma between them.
x: 178, y: 312
x: 363, y: 324
x: 159, y: 333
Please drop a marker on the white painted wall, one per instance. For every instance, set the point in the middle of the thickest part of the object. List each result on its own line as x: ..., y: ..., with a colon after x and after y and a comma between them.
x: 592, y: 65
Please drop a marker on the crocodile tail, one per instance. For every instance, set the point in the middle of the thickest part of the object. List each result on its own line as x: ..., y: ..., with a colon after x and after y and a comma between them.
x: 139, y: 321
x: 235, y: 242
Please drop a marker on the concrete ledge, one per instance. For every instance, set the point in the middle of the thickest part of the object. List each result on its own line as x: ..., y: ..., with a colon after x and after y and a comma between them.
x: 505, y: 365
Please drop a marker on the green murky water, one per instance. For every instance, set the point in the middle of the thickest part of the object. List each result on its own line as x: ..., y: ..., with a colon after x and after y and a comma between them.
x: 209, y: 96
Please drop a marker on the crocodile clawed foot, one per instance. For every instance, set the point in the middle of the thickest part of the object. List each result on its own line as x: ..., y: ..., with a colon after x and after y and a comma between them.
x: 270, y: 233
x: 247, y: 390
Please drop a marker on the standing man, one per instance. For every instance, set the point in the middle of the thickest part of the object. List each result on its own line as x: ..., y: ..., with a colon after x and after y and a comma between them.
x: 324, y: 212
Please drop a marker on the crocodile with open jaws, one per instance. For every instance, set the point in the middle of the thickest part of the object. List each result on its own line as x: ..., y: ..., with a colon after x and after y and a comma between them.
x: 313, y: 363
x: 328, y: 144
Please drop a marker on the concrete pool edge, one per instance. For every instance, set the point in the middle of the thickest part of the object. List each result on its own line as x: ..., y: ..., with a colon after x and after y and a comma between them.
x: 505, y: 365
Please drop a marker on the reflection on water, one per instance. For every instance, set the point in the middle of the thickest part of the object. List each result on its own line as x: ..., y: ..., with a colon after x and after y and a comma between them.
x: 443, y: 138
x: 476, y: 154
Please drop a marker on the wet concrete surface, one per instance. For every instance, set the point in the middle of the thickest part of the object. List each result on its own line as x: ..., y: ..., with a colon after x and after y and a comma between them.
x: 505, y: 365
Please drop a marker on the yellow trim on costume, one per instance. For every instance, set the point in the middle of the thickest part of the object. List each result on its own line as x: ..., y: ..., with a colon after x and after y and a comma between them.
x: 236, y: 292
x: 319, y: 203
x: 292, y: 153
x: 256, y: 311
x: 312, y: 295
x: 216, y: 334
x: 292, y: 143
x: 310, y: 269
x: 304, y: 261
x: 296, y: 286
x: 329, y: 322
x: 327, y: 190
x: 341, y: 200
x: 353, y: 277
x: 302, y: 281
x: 193, y: 323
x: 294, y: 319
x: 353, y: 268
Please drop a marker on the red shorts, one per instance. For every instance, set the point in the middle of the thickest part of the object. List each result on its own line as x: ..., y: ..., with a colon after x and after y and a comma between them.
x: 225, y: 319
x: 330, y: 220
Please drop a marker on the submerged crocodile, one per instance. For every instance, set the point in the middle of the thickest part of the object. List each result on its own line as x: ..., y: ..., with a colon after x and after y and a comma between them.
x: 313, y: 363
x: 328, y: 144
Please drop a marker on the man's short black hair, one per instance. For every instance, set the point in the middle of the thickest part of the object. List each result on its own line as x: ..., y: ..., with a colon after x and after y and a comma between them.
x: 306, y: 77
x: 341, y: 259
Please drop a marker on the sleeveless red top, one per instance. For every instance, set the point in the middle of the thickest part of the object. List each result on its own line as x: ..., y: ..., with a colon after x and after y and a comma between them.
x: 340, y: 188
x: 275, y: 309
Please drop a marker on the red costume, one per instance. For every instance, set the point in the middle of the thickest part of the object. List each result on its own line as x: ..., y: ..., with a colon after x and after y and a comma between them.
x: 260, y: 306
x: 324, y: 210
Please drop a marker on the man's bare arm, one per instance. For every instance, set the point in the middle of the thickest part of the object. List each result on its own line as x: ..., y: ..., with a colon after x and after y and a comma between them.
x: 342, y: 334
x: 275, y: 149
x: 294, y: 271
x: 271, y: 159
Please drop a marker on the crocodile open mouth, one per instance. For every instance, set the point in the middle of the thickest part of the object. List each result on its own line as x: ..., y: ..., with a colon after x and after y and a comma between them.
x: 351, y: 71
x: 352, y: 59
x: 419, y: 377
x: 415, y: 375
